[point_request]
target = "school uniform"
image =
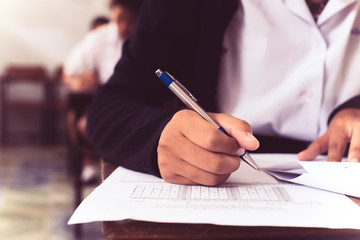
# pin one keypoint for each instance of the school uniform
(190, 40)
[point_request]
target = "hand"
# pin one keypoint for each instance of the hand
(193, 151)
(343, 128)
(83, 82)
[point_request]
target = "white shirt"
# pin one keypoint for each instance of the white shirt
(282, 72)
(99, 51)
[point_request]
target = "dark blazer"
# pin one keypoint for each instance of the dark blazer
(183, 37)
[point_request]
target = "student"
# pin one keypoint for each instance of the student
(290, 73)
(98, 22)
(92, 62)
(96, 55)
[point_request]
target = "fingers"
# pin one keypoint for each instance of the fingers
(212, 162)
(202, 177)
(335, 141)
(238, 129)
(317, 147)
(337, 145)
(178, 179)
(204, 134)
(193, 151)
(188, 174)
(354, 149)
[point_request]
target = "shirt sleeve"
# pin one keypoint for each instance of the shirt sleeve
(127, 115)
(353, 102)
(81, 58)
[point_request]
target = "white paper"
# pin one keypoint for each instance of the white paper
(339, 177)
(248, 198)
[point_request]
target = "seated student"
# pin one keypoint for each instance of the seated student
(92, 61)
(75, 76)
(289, 72)
(98, 22)
(100, 49)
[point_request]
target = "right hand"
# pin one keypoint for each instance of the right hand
(193, 151)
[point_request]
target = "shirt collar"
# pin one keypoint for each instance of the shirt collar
(332, 7)
(300, 9)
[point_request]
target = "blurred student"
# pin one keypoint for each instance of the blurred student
(92, 62)
(98, 22)
(94, 59)
(74, 78)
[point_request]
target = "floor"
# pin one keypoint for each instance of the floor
(36, 195)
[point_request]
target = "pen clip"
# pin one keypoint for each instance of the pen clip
(187, 92)
(184, 89)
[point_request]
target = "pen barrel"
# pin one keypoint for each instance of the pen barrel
(190, 103)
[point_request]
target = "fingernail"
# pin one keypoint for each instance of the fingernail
(354, 160)
(240, 152)
(251, 137)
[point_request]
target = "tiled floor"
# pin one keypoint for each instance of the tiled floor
(36, 195)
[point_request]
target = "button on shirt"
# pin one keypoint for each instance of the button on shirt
(284, 73)
(98, 52)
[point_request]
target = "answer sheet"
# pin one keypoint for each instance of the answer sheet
(248, 198)
(339, 177)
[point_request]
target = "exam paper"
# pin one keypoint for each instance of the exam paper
(339, 177)
(248, 198)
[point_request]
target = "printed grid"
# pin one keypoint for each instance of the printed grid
(231, 193)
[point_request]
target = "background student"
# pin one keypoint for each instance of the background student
(92, 62)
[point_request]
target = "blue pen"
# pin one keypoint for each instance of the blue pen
(190, 101)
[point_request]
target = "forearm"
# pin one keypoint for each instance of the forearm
(80, 82)
(127, 115)
(126, 133)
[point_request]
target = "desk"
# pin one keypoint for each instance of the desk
(130, 229)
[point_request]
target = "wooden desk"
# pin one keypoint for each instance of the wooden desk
(130, 229)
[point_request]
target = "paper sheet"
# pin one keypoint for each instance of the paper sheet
(248, 198)
(339, 177)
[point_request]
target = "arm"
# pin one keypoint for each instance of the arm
(126, 117)
(79, 67)
(128, 124)
(344, 128)
(78, 83)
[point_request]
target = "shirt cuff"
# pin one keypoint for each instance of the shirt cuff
(351, 103)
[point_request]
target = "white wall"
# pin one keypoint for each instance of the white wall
(43, 31)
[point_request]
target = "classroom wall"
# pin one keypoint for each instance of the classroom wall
(43, 31)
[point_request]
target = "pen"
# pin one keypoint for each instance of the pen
(190, 101)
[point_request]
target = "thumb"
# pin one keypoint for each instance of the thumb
(239, 129)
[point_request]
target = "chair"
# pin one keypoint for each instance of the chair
(78, 146)
(34, 75)
(59, 106)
